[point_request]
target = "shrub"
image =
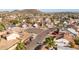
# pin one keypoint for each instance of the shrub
(15, 22)
(20, 46)
(2, 27)
(49, 41)
(71, 45)
(77, 40)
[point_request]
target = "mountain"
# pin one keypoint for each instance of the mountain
(28, 11)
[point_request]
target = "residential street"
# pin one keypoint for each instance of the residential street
(38, 39)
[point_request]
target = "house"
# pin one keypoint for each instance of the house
(24, 26)
(71, 30)
(12, 41)
(56, 21)
(72, 21)
(35, 25)
(62, 42)
(50, 25)
(65, 22)
(47, 20)
(3, 32)
(13, 36)
(0, 19)
(68, 36)
(16, 29)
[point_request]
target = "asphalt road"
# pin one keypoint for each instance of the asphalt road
(39, 39)
(34, 30)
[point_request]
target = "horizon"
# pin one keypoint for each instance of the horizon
(47, 10)
(60, 10)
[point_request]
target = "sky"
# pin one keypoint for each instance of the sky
(49, 10)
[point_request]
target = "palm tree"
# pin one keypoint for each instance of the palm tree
(21, 46)
(49, 41)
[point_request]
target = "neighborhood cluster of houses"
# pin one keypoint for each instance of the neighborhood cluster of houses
(16, 25)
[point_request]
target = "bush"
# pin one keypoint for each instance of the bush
(49, 41)
(71, 45)
(15, 22)
(77, 40)
(20, 46)
(2, 27)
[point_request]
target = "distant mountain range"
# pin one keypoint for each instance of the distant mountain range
(48, 11)
(33, 11)
(41, 10)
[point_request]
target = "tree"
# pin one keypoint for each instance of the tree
(2, 27)
(71, 45)
(77, 41)
(14, 22)
(49, 41)
(20, 46)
